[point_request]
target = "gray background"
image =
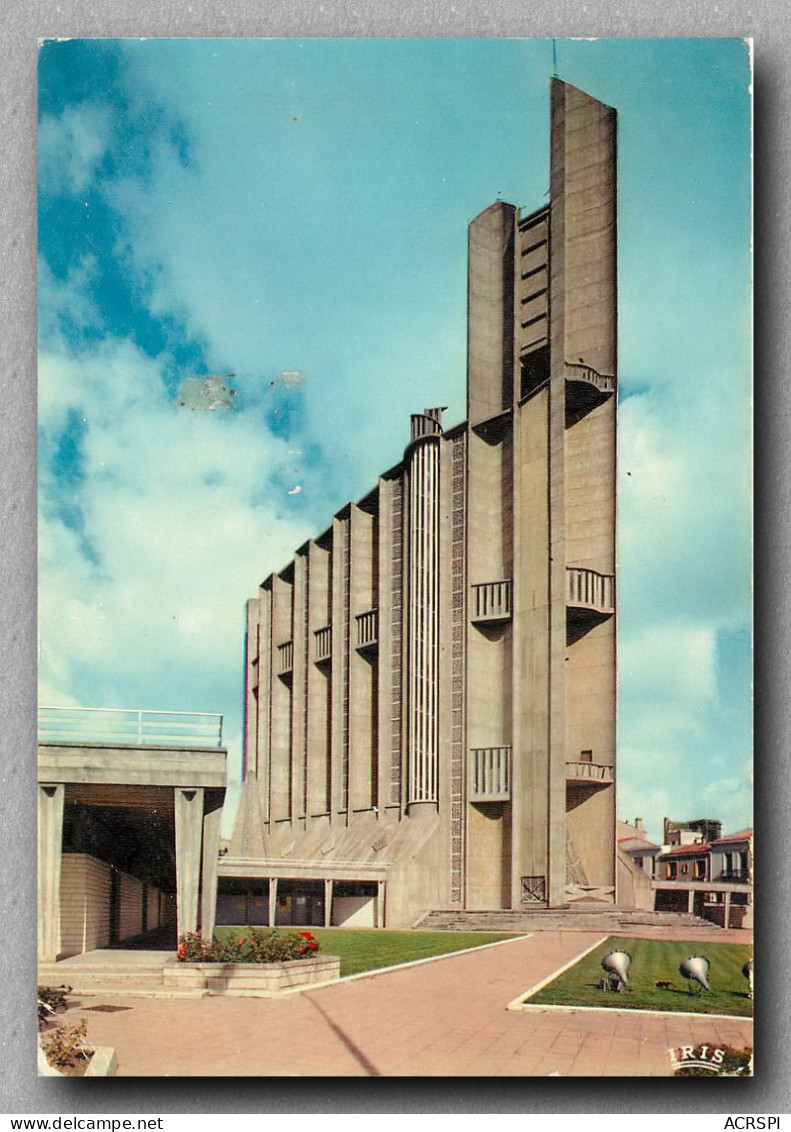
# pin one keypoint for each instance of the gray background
(23, 23)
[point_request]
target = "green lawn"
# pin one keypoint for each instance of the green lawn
(652, 960)
(362, 950)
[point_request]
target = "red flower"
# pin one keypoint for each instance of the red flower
(242, 942)
(311, 946)
(306, 935)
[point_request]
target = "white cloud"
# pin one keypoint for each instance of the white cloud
(186, 512)
(72, 145)
(174, 507)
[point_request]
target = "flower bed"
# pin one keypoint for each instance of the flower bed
(257, 946)
(258, 963)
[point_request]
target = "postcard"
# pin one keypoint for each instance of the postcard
(395, 557)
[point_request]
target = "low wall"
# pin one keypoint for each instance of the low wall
(251, 978)
(85, 890)
(130, 907)
(84, 904)
(152, 908)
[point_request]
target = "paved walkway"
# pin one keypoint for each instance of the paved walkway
(445, 1018)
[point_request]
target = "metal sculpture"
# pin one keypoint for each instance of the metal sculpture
(696, 970)
(616, 965)
(747, 971)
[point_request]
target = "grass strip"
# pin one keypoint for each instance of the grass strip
(657, 961)
(363, 950)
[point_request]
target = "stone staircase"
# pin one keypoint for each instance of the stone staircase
(581, 918)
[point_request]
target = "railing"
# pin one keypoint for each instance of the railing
(491, 601)
(490, 774)
(589, 773)
(322, 639)
(368, 629)
(285, 658)
(127, 727)
(604, 382)
(587, 589)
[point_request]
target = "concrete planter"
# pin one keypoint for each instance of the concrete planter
(104, 1063)
(251, 978)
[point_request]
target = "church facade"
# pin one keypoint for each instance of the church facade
(430, 682)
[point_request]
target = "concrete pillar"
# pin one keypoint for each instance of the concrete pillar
(211, 845)
(264, 735)
(282, 669)
(423, 616)
(327, 903)
(189, 828)
(272, 901)
(50, 851)
(691, 901)
(380, 904)
(362, 779)
(340, 661)
(253, 691)
(490, 311)
(384, 586)
(318, 683)
(727, 922)
(299, 688)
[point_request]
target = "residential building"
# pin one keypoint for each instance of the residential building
(710, 879)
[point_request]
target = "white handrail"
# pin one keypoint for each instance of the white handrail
(135, 725)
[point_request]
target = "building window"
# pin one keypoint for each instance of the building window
(700, 870)
(672, 870)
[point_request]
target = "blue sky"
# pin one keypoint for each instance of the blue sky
(299, 208)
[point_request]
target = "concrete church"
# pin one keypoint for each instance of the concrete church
(430, 682)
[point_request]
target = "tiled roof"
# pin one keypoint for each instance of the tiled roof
(686, 850)
(742, 835)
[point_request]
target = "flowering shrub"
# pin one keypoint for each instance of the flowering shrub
(257, 947)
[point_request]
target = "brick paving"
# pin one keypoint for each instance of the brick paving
(445, 1018)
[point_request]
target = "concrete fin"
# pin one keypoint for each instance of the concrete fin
(247, 839)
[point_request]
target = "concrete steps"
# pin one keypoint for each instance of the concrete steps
(611, 920)
(110, 972)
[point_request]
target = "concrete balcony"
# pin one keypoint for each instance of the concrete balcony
(586, 388)
(322, 645)
(491, 601)
(427, 423)
(588, 774)
(367, 630)
(285, 658)
(589, 592)
(490, 774)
